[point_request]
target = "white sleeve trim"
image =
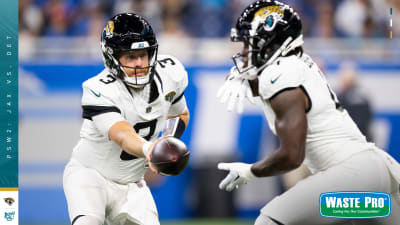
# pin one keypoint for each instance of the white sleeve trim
(177, 108)
(104, 121)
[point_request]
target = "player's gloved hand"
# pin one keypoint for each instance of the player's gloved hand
(239, 173)
(234, 91)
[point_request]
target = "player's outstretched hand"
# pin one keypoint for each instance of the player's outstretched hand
(239, 173)
(234, 91)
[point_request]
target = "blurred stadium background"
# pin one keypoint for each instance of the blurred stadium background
(59, 49)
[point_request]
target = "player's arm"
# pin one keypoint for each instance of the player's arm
(123, 134)
(291, 127)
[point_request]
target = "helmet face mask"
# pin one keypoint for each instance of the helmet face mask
(269, 29)
(124, 33)
(243, 61)
(133, 75)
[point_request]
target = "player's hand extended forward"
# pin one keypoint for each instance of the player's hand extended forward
(234, 91)
(239, 173)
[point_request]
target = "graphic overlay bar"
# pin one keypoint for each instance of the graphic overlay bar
(391, 24)
(9, 112)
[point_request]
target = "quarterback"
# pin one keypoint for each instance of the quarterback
(125, 107)
(303, 111)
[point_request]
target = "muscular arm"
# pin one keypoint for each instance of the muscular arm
(291, 127)
(123, 134)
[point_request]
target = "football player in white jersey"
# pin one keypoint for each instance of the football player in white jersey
(125, 107)
(304, 113)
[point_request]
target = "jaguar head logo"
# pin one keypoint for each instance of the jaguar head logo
(110, 27)
(170, 96)
(9, 201)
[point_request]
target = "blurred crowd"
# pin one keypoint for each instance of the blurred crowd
(202, 18)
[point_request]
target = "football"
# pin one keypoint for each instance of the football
(170, 156)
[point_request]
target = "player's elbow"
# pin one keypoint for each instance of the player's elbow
(296, 162)
(185, 116)
(294, 158)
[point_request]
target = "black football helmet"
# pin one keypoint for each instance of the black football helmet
(269, 29)
(127, 32)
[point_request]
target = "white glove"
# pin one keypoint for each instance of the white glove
(234, 90)
(239, 173)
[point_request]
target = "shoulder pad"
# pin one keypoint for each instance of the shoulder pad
(172, 72)
(284, 73)
(100, 90)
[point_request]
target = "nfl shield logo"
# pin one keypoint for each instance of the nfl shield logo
(148, 109)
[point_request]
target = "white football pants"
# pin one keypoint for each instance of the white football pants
(89, 193)
(364, 171)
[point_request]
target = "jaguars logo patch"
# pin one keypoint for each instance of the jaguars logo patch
(170, 96)
(110, 27)
(9, 201)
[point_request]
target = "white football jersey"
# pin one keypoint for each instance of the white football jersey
(145, 110)
(332, 136)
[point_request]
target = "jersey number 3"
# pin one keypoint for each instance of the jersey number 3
(166, 61)
(151, 125)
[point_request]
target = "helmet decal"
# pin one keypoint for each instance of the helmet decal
(138, 45)
(265, 11)
(109, 28)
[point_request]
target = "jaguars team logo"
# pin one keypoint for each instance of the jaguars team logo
(9, 201)
(170, 96)
(110, 27)
(9, 216)
(268, 10)
(269, 16)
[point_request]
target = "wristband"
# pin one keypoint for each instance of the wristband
(146, 148)
(174, 127)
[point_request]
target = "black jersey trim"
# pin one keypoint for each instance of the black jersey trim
(308, 97)
(88, 111)
(77, 217)
(291, 88)
(126, 156)
(178, 98)
(180, 128)
(280, 91)
(159, 80)
(276, 221)
(153, 92)
(127, 88)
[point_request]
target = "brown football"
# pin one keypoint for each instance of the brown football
(170, 156)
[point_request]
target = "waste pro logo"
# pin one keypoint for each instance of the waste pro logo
(354, 205)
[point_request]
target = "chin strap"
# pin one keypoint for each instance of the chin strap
(294, 44)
